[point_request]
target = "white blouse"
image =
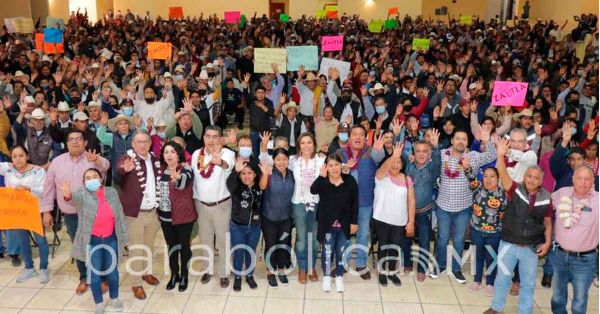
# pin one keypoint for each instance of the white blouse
(391, 201)
(305, 173)
(34, 178)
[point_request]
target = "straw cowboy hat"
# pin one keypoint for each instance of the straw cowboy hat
(112, 123)
(310, 77)
(289, 105)
(524, 113)
(378, 86)
(37, 114)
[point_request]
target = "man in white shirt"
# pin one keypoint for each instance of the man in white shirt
(519, 157)
(211, 166)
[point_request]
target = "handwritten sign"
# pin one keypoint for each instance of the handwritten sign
(342, 66)
(393, 11)
(391, 24)
(509, 93)
(466, 20)
(20, 210)
(232, 17)
(53, 36)
(308, 56)
(320, 14)
(159, 50)
(331, 14)
(22, 25)
(420, 44)
(264, 57)
(55, 22)
(175, 12)
(332, 43)
(376, 26)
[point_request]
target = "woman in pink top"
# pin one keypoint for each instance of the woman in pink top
(101, 235)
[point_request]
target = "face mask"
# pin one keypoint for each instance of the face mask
(573, 131)
(162, 135)
(211, 75)
(149, 100)
(343, 137)
(128, 111)
(202, 92)
(178, 77)
(380, 110)
(345, 99)
(245, 152)
(92, 185)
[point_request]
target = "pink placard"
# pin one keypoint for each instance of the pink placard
(509, 93)
(232, 17)
(332, 43)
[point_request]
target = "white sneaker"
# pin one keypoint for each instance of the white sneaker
(326, 284)
(44, 276)
(339, 284)
(114, 305)
(26, 274)
(100, 308)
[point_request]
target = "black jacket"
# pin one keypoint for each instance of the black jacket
(245, 201)
(336, 202)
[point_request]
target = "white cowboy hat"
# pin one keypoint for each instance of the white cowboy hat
(112, 123)
(37, 114)
(289, 105)
(378, 86)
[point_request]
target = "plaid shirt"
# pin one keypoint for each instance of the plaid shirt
(454, 193)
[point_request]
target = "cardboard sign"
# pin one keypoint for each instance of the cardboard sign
(284, 17)
(159, 50)
(391, 24)
(331, 14)
(22, 25)
(466, 20)
(331, 8)
(342, 66)
(39, 41)
(53, 36)
(376, 26)
(420, 44)
(175, 12)
(264, 57)
(55, 22)
(243, 21)
(232, 17)
(54, 48)
(332, 43)
(106, 54)
(20, 210)
(509, 93)
(320, 14)
(393, 11)
(308, 56)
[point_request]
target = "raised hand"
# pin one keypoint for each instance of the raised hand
(301, 72)
(397, 126)
(379, 142)
(149, 123)
(187, 105)
(264, 138)
(216, 156)
(538, 129)
(554, 112)
(473, 104)
(502, 148)
(566, 134)
(363, 91)
(351, 163)
(591, 131)
(128, 165)
(434, 137)
(440, 86)
(466, 163)
(397, 150)
(240, 163)
(92, 156)
(265, 168)
(175, 174)
(485, 133)
(379, 123)
(323, 170)
(137, 121)
(104, 118)
(53, 116)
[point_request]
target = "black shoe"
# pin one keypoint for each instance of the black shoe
(364, 273)
(395, 280)
(283, 279)
(15, 260)
(272, 280)
(382, 280)
(183, 283)
(458, 276)
(237, 284)
(251, 283)
(173, 281)
(205, 278)
(547, 281)
(2, 256)
(224, 282)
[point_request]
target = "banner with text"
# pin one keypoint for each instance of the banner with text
(332, 43)
(509, 93)
(308, 56)
(20, 210)
(342, 66)
(264, 57)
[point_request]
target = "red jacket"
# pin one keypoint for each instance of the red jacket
(131, 190)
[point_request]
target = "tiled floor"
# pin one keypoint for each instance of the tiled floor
(432, 296)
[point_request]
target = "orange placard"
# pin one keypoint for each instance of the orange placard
(175, 12)
(54, 48)
(159, 50)
(331, 14)
(39, 41)
(20, 210)
(393, 11)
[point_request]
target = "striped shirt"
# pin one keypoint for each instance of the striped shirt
(454, 193)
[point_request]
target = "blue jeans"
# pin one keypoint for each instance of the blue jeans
(24, 243)
(362, 235)
(103, 266)
(12, 243)
(305, 247)
(484, 243)
(255, 139)
(580, 272)
(71, 224)
(548, 267)
(247, 235)
(447, 222)
(508, 256)
(423, 233)
(335, 242)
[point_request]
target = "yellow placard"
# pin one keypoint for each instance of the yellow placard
(466, 20)
(264, 57)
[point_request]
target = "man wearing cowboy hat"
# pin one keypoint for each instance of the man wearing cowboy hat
(118, 140)
(80, 122)
(289, 126)
(525, 121)
(25, 110)
(63, 115)
(38, 141)
(306, 89)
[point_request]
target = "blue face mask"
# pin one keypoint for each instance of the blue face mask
(343, 137)
(92, 185)
(162, 135)
(245, 152)
(380, 110)
(128, 111)
(573, 131)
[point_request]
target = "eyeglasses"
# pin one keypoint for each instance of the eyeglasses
(142, 142)
(75, 139)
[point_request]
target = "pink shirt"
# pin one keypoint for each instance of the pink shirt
(548, 182)
(104, 225)
(583, 235)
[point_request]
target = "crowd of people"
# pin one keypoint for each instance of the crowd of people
(406, 148)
